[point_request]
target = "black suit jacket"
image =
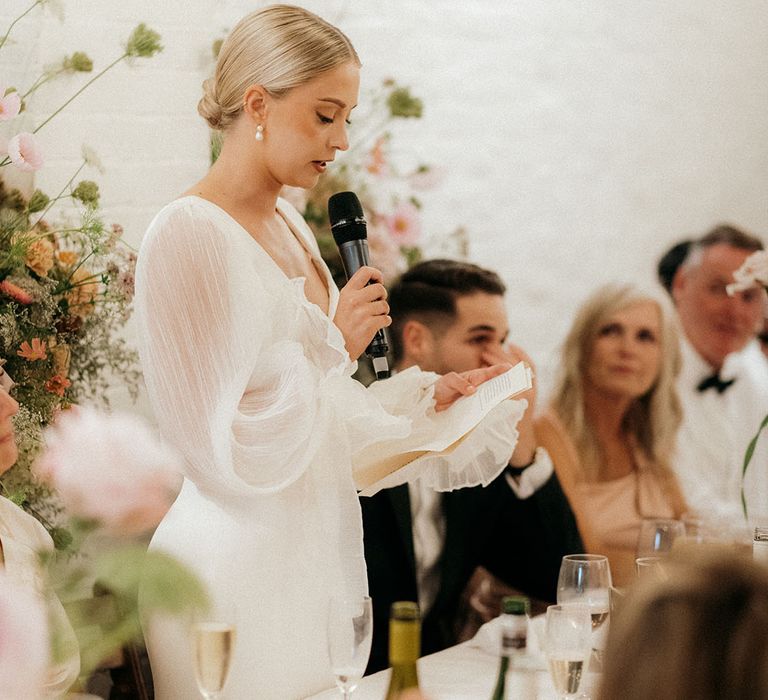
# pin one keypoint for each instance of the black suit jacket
(520, 541)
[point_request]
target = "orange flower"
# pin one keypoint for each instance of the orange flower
(57, 385)
(36, 351)
(40, 256)
(83, 292)
(15, 292)
(67, 257)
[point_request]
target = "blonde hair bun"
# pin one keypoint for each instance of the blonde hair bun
(279, 47)
(208, 108)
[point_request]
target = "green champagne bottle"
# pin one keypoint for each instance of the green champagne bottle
(514, 637)
(404, 647)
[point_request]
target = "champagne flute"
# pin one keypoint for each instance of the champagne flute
(657, 536)
(213, 641)
(568, 644)
(649, 567)
(586, 578)
(350, 630)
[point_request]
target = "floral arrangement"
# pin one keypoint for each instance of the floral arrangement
(66, 280)
(754, 270)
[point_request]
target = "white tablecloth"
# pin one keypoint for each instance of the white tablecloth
(468, 672)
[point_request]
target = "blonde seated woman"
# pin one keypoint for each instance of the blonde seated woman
(22, 538)
(611, 425)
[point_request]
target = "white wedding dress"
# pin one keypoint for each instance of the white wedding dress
(252, 384)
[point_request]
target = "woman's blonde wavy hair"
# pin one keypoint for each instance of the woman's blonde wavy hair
(278, 47)
(653, 419)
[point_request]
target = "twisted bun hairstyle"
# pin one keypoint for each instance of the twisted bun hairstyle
(278, 47)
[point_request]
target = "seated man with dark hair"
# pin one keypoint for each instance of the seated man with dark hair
(424, 546)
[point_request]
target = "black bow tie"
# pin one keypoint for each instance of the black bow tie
(714, 382)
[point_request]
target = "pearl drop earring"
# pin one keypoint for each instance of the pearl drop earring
(259, 133)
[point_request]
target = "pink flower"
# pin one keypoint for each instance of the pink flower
(109, 468)
(35, 351)
(385, 253)
(404, 224)
(376, 163)
(15, 292)
(10, 105)
(57, 385)
(753, 270)
(24, 152)
(426, 177)
(24, 643)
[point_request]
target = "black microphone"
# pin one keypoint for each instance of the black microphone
(349, 231)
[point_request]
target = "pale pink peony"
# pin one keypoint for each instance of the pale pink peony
(404, 224)
(24, 152)
(10, 105)
(109, 468)
(753, 270)
(24, 642)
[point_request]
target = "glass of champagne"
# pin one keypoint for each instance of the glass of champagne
(586, 579)
(213, 641)
(568, 644)
(657, 535)
(350, 630)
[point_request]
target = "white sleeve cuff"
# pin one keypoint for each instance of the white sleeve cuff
(534, 477)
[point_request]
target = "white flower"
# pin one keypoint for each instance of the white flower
(109, 468)
(91, 158)
(753, 270)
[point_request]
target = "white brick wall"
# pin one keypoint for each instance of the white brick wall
(579, 139)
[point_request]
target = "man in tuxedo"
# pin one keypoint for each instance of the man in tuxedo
(424, 546)
(723, 385)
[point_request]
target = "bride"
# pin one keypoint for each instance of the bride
(248, 350)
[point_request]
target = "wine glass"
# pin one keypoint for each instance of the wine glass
(350, 630)
(649, 567)
(567, 644)
(586, 578)
(213, 641)
(657, 536)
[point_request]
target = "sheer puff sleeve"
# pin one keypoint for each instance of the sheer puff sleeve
(246, 378)
(238, 401)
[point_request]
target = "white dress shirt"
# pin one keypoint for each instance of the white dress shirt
(715, 433)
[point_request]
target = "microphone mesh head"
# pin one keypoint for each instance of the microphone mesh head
(346, 216)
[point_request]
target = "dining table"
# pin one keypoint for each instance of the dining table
(468, 671)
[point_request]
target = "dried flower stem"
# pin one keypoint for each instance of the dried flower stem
(58, 196)
(21, 16)
(81, 90)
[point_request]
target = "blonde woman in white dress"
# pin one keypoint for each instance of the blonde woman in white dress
(248, 351)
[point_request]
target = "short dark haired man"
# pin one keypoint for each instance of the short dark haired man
(421, 545)
(723, 385)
